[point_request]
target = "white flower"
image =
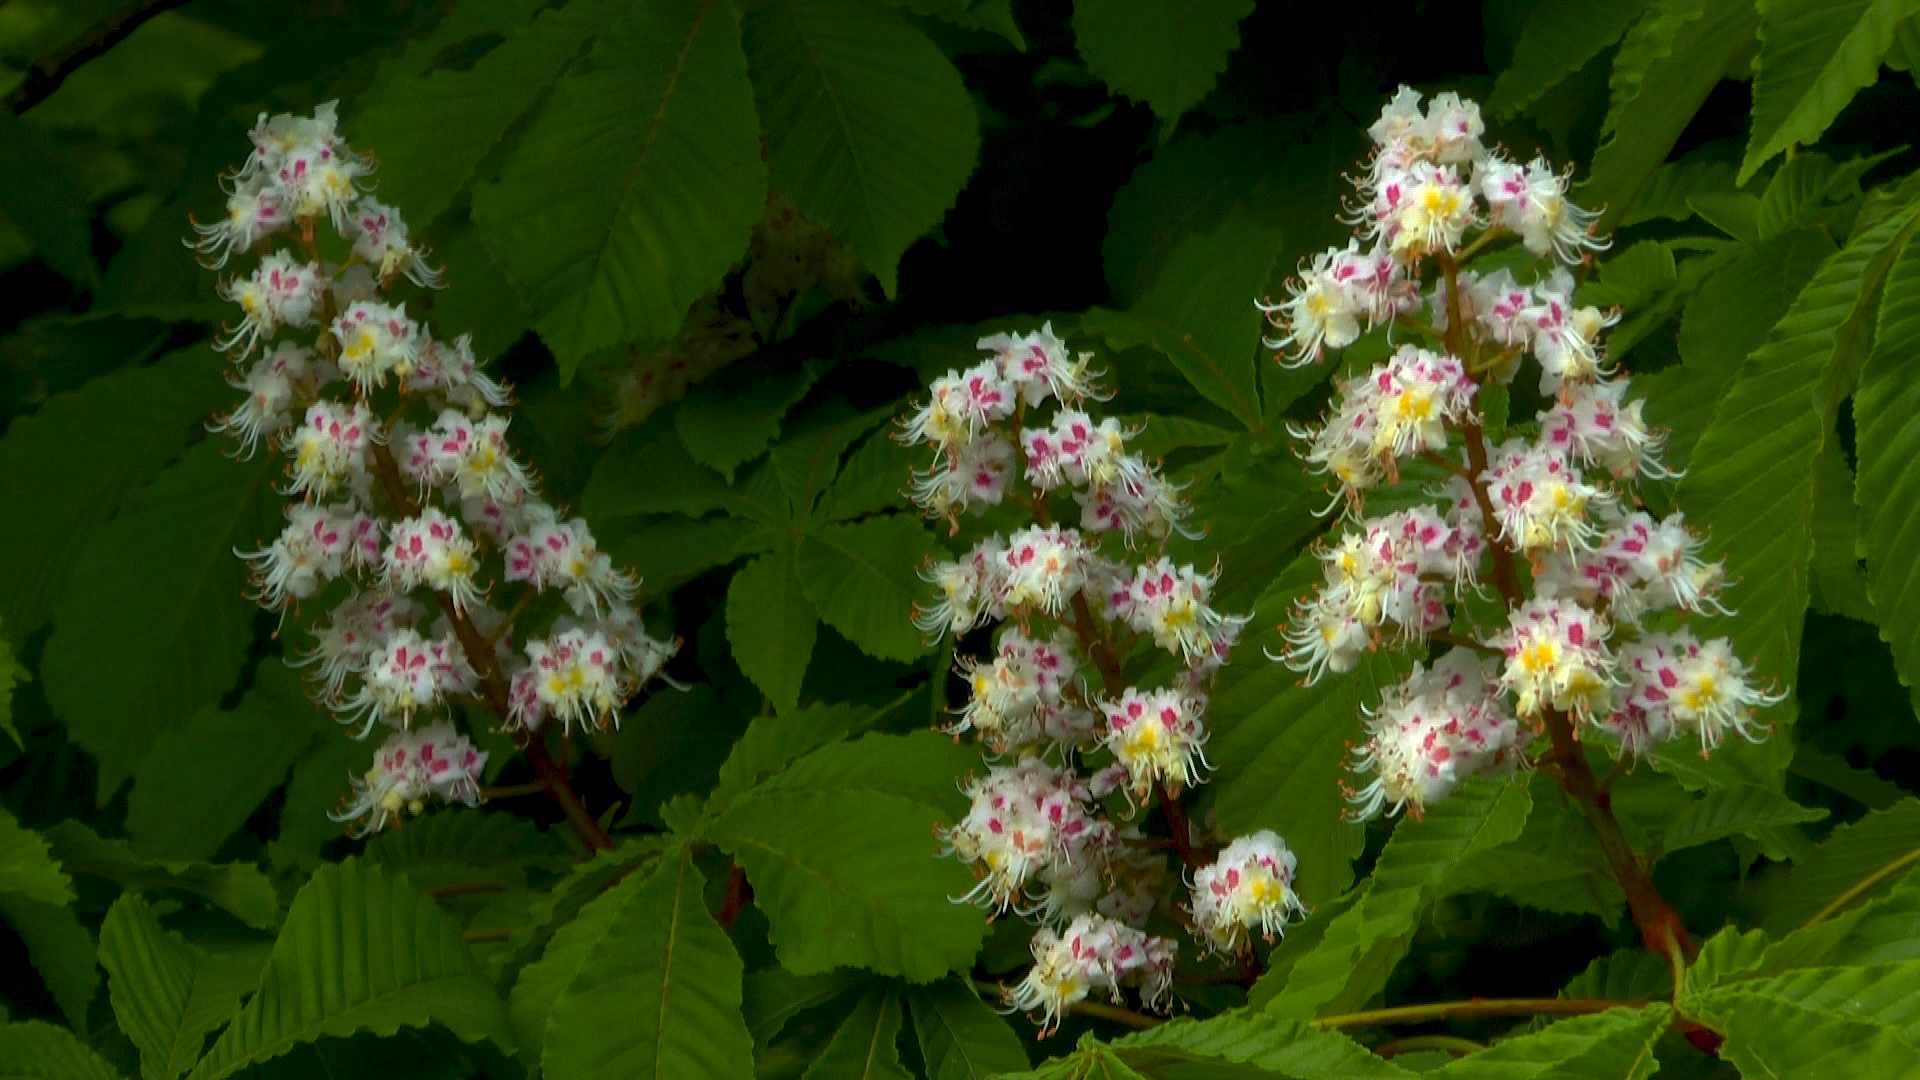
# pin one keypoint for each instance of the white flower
(577, 677)
(431, 550)
(309, 552)
(1532, 201)
(1038, 364)
(1248, 887)
(279, 293)
(1557, 658)
(970, 590)
(1439, 727)
(380, 238)
(1093, 953)
(1541, 500)
(376, 340)
(1158, 737)
(410, 767)
(564, 555)
(1596, 424)
(1675, 684)
(403, 674)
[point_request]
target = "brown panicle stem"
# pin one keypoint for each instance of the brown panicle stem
(1657, 920)
(493, 684)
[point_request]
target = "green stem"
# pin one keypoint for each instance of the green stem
(1862, 887)
(1472, 1008)
(1452, 1044)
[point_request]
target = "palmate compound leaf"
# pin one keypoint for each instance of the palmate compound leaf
(1815, 55)
(771, 625)
(841, 854)
(1888, 439)
(1612, 1045)
(39, 1051)
(1750, 479)
(635, 186)
(863, 579)
(167, 994)
(658, 995)
(1165, 53)
(361, 950)
(869, 127)
(177, 639)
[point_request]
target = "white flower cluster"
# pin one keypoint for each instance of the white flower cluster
(1076, 603)
(1248, 888)
(386, 513)
(1557, 502)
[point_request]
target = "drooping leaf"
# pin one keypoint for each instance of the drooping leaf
(1887, 436)
(361, 950)
(460, 845)
(240, 889)
(27, 866)
(961, 1037)
(771, 997)
(1814, 56)
(432, 122)
(43, 199)
(38, 1051)
(1559, 37)
(168, 995)
(1165, 54)
(192, 631)
(634, 187)
(174, 812)
(1853, 855)
(538, 988)
(1749, 483)
(771, 625)
(1614, 1045)
(1667, 64)
(863, 579)
(660, 997)
(152, 412)
(869, 128)
(862, 1048)
(1841, 1021)
(62, 951)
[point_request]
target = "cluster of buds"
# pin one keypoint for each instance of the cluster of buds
(406, 505)
(1556, 506)
(1068, 761)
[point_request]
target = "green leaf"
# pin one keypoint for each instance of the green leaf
(1667, 64)
(636, 184)
(1279, 747)
(1884, 930)
(771, 625)
(27, 866)
(240, 889)
(360, 951)
(1749, 483)
(863, 579)
(1272, 1045)
(191, 628)
(1887, 436)
(174, 812)
(1626, 975)
(167, 994)
(1856, 1021)
(1852, 855)
(1733, 810)
(876, 901)
(649, 471)
(875, 479)
(863, 1046)
(43, 200)
(61, 950)
(1613, 1045)
(869, 127)
(961, 1037)
(152, 411)
(1199, 313)
(806, 462)
(540, 984)
(457, 844)
(11, 675)
(37, 1051)
(1814, 56)
(725, 423)
(773, 742)
(1363, 944)
(1838, 582)
(771, 997)
(1555, 864)
(1559, 38)
(660, 997)
(432, 122)
(1165, 54)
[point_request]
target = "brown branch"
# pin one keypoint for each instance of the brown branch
(46, 74)
(467, 888)
(739, 895)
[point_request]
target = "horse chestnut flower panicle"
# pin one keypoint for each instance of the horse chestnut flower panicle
(1079, 601)
(406, 488)
(1556, 499)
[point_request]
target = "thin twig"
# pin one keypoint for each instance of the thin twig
(1862, 887)
(1451, 1044)
(1472, 1008)
(46, 74)
(467, 888)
